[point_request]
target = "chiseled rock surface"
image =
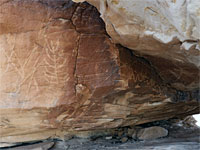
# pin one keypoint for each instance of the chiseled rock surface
(60, 74)
(167, 30)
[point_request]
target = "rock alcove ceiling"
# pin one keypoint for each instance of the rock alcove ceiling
(63, 71)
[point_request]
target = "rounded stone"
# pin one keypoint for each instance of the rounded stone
(152, 133)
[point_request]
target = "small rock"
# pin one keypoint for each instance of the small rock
(108, 137)
(152, 133)
(130, 132)
(124, 139)
(120, 133)
(134, 136)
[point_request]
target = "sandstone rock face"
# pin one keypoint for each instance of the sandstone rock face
(61, 73)
(167, 30)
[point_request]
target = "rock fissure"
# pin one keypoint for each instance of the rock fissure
(75, 66)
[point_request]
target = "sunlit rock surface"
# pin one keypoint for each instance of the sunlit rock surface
(167, 21)
(60, 73)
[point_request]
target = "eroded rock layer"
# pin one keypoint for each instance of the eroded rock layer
(60, 72)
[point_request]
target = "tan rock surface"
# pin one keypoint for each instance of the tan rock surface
(61, 73)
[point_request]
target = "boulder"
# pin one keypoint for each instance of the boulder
(152, 133)
(61, 74)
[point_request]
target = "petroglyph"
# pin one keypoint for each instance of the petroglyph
(60, 72)
(55, 64)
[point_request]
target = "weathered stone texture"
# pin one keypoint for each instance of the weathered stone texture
(60, 72)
